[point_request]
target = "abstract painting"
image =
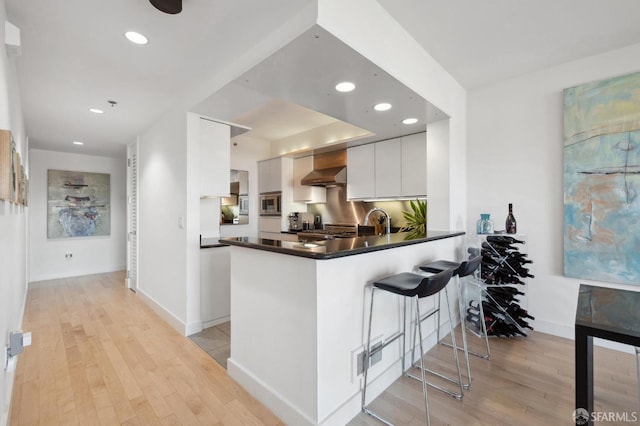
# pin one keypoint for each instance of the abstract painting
(602, 180)
(78, 204)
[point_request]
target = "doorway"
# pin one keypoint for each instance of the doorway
(132, 216)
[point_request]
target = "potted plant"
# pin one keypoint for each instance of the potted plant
(416, 219)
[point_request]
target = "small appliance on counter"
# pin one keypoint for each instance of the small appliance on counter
(301, 221)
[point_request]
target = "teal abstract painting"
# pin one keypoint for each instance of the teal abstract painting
(602, 180)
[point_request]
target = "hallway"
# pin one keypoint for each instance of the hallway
(101, 356)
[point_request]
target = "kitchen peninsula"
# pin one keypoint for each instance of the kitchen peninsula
(300, 312)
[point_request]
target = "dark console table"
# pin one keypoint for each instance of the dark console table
(609, 314)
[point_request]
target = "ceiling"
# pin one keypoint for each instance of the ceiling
(74, 57)
(484, 42)
(290, 98)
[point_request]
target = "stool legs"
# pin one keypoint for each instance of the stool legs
(365, 361)
(463, 327)
(455, 354)
(367, 355)
(638, 372)
(422, 369)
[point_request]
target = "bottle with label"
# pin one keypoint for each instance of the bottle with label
(510, 223)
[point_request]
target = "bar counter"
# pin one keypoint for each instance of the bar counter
(338, 247)
(298, 315)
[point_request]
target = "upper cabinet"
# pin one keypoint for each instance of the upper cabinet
(388, 168)
(414, 165)
(215, 157)
(305, 193)
(270, 175)
(361, 175)
(214, 140)
(394, 168)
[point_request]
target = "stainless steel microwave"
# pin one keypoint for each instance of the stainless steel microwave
(270, 204)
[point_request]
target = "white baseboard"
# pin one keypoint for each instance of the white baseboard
(555, 329)
(169, 317)
(76, 273)
(290, 414)
(4, 420)
(568, 332)
(217, 321)
(280, 406)
(193, 328)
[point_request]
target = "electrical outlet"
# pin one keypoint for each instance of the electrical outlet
(376, 357)
(359, 358)
(68, 255)
(360, 363)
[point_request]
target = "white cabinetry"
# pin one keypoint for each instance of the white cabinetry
(305, 193)
(388, 168)
(360, 172)
(270, 175)
(393, 168)
(215, 281)
(414, 165)
(276, 175)
(215, 156)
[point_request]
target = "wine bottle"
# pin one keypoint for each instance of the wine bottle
(503, 239)
(510, 223)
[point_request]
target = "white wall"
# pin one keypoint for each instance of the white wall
(13, 227)
(91, 255)
(162, 186)
(438, 182)
(515, 153)
(169, 184)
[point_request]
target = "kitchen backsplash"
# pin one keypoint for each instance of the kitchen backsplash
(338, 210)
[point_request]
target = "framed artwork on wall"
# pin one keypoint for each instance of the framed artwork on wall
(602, 180)
(78, 204)
(6, 160)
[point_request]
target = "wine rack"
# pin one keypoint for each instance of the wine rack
(495, 293)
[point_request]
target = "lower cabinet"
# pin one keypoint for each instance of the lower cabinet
(215, 286)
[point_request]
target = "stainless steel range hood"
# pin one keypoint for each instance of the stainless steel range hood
(329, 169)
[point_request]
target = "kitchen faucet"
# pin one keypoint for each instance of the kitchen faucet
(378, 209)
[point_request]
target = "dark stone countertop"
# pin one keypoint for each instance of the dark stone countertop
(211, 243)
(339, 247)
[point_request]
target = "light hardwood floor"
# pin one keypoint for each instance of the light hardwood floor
(529, 381)
(101, 356)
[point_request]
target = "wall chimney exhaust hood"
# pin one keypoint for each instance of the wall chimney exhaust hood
(329, 169)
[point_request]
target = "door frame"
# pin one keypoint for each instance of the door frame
(132, 281)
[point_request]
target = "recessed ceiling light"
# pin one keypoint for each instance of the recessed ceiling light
(96, 111)
(410, 121)
(345, 86)
(136, 38)
(78, 143)
(382, 106)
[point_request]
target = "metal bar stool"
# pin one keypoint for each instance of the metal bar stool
(412, 286)
(460, 270)
(638, 371)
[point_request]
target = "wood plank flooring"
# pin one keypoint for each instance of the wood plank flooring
(529, 381)
(101, 356)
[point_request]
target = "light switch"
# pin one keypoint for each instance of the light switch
(181, 222)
